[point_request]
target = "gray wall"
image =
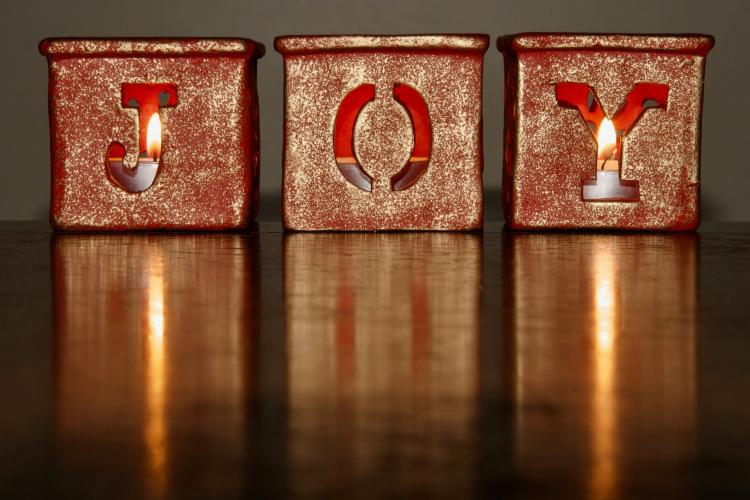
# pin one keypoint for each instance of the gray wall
(24, 177)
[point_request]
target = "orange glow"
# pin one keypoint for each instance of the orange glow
(153, 137)
(605, 330)
(155, 428)
(606, 138)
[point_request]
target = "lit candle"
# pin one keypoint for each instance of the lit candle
(141, 176)
(153, 137)
(608, 185)
(606, 138)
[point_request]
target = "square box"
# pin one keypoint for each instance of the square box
(150, 134)
(603, 131)
(383, 132)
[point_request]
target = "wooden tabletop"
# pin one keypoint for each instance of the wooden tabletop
(375, 365)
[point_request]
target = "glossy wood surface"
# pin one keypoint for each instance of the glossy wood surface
(375, 365)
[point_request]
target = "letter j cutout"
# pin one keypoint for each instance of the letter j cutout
(148, 99)
(609, 134)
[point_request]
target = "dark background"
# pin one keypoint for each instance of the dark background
(24, 177)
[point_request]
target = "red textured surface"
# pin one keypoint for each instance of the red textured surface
(208, 175)
(550, 151)
(383, 132)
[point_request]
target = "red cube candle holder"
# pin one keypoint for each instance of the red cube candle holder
(153, 133)
(383, 132)
(603, 131)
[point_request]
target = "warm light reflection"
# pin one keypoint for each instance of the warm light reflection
(153, 340)
(601, 334)
(603, 407)
(605, 307)
(153, 137)
(155, 374)
(382, 335)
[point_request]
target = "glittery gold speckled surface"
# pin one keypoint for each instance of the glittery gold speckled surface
(95, 47)
(344, 43)
(320, 71)
(549, 149)
(700, 44)
(208, 171)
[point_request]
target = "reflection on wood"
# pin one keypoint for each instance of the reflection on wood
(382, 336)
(606, 305)
(155, 376)
(151, 341)
(614, 390)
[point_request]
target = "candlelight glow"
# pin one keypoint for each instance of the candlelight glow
(153, 137)
(606, 138)
(604, 424)
(156, 372)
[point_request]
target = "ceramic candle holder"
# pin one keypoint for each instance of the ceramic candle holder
(603, 131)
(383, 132)
(151, 134)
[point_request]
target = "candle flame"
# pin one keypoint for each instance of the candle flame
(606, 138)
(153, 137)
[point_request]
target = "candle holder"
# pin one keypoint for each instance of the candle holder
(383, 132)
(151, 134)
(603, 131)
